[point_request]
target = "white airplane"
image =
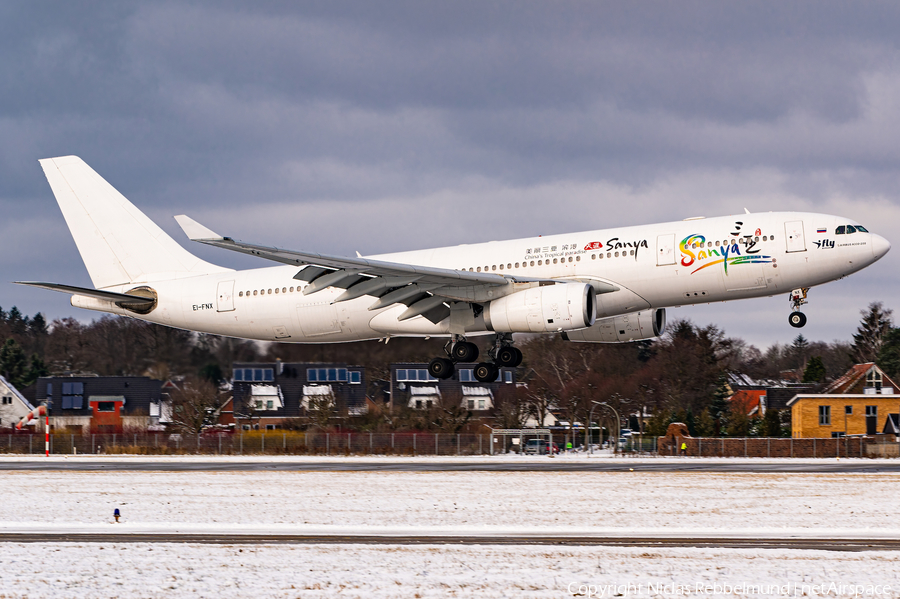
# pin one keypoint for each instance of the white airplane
(606, 286)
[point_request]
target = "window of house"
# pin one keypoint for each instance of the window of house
(480, 404)
(824, 415)
(872, 411)
(106, 406)
(326, 375)
(355, 377)
(465, 375)
(508, 376)
(254, 374)
(72, 396)
(270, 405)
(471, 404)
(414, 374)
(7, 400)
(418, 404)
(848, 410)
(873, 379)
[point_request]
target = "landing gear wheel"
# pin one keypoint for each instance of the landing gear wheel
(486, 373)
(441, 368)
(464, 351)
(797, 319)
(509, 357)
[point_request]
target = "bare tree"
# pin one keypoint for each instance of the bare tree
(193, 405)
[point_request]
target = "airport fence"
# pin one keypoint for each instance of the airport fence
(770, 447)
(251, 443)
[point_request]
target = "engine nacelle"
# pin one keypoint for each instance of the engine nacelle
(559, 307)
(621, 329)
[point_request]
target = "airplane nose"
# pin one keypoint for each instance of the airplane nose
(880, 246)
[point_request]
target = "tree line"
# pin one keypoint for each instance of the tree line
(682, 376)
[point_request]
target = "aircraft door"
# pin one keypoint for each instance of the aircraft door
(793, 233)
(225, 296)
(665, 250)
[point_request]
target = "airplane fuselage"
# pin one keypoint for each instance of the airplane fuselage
(647, 267)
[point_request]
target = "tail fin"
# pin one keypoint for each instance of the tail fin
(118, 243)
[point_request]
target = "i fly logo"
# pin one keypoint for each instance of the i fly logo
(694, 251)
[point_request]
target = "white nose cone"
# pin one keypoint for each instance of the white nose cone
(880, 246)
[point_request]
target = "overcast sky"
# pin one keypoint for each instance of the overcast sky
(385, 126)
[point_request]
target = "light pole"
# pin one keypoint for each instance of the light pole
(591, 417)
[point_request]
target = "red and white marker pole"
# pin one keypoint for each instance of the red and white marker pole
(47, 434)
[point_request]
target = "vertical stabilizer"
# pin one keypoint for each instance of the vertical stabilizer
(118, 243)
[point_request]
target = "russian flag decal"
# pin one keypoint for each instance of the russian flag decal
(821, 230)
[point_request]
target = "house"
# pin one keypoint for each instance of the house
(412, 386)
(854, 404)
(101, 404)
(265, 394)
(13, 406)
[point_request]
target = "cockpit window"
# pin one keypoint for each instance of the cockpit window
(861, 229)
(840, 230)
(851, 229)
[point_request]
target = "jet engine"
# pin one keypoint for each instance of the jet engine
(621, 329)
(558, 307)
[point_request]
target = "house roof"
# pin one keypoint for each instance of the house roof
(853, 376)
(892, 425)
(16, 393)
(748, 398)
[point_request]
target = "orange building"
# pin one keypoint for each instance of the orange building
(858, 403)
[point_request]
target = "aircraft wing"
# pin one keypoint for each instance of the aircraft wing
(423, 289)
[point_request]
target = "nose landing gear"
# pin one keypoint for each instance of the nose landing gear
(797, 319)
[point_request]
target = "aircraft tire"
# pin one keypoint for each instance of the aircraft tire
(441, 368)
(464, 351)
(509, 356)
(486, 372)
(797, 319)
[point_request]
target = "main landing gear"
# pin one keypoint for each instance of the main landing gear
(797, 319)
(459, 350)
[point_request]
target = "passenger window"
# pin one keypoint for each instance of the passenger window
(254, 292)
(501, 267)
(554, 261)
(508, 266)
(276, 290)
(241, 294)
(617, 253)
(540, 262)
(532, 263)
(840, 230)
(577, 258)
(478, 269)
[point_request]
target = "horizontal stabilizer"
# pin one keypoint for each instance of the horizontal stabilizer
(122, 299)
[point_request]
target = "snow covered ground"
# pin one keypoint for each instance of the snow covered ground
(689, 503)
(327, 571)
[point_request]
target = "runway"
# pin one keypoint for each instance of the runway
(477, 465)
(850, 544)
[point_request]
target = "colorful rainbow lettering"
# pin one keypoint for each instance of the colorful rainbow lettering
(726, 255)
